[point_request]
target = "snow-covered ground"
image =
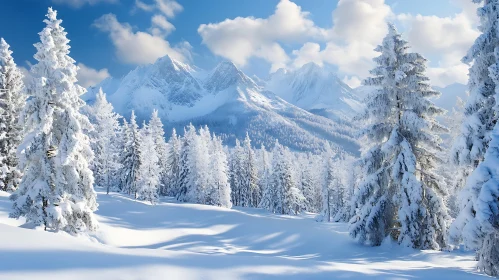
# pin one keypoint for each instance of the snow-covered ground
(186, 241)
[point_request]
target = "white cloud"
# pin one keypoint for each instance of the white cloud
(88, 76)
(81, 3)
(241, 38)
(139, 47)
(352, 81)
(161, 26)
(168, 7)
(447, 38)
(358, 26)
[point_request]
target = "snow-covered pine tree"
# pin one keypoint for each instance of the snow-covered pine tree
(186, 164)
(250, 174)
(330, 181)
(148, 172)
(400, 194)
(308, 182)
(470, 146)
(57, 186)
(125, 136)
(105, 137)
(240, 194)
(173, 167)
(131, 157)
(265, 179)
(478, 221)
(282, 196)
(156, 129)
(12, 101)
(219, 193)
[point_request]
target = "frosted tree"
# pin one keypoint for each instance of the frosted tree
(478, 221)
(480, 118)
(240, 191)
(308, 182)
(105, 137)
(156, 129)
(282, 196)
(219, 193)
(131, 157)
(400, 195)
(173, 166)
(329, 183)
(250, 173)
(12, 101)
(148, 172)
(56, 190)
(264, 178)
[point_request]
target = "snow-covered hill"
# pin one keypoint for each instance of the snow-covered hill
(450, 93)
(187, 241)
(315, 89)
(226, 100)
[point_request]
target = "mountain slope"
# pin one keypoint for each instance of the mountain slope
(315, 89)
(229, 102)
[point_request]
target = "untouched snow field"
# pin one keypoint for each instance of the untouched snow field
(187, 241)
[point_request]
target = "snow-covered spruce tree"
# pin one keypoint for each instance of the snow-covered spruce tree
(148, 172)
(478, 221)
(219, 193)
(282, 195)
(400, 194)
(240, 194)
(125, 136)
(265, 178)
(470, 146)
(330, 181)
(105, 138)
(12, 101)
(194, 174)
(173, 166)
(131, 157)
(250, 174)
(156, 129)
(57, 186)
(308, 183)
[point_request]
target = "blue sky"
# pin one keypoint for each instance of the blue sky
(258, 41)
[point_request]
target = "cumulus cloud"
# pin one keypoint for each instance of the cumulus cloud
(447, 38)
(358, 26)
(139, 47)
(169, 8)
(81, 3)
(88, 76)
(241, 38)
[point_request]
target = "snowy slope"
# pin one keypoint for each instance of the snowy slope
(226, 100)
(315, 89)
(186, 241)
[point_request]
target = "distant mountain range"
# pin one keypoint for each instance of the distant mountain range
(306, 109)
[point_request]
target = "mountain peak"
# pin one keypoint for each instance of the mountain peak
(226, 74)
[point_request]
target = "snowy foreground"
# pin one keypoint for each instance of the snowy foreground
(188, 241)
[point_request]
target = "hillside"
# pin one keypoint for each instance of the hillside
(187, 241)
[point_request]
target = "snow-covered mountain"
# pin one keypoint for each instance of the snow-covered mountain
(315, 89)
(226, 100)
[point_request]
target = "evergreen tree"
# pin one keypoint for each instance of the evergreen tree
(131, 158)
(12, 101)
(470, 146)
(219, 193)
(282, 196)
(478, 221)
(400, 194)
(186, 164)
(158, 134)
(105, 136)
(57, 186)
(327, 189)
(250, 180)
(173, 166)
(148, 172)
